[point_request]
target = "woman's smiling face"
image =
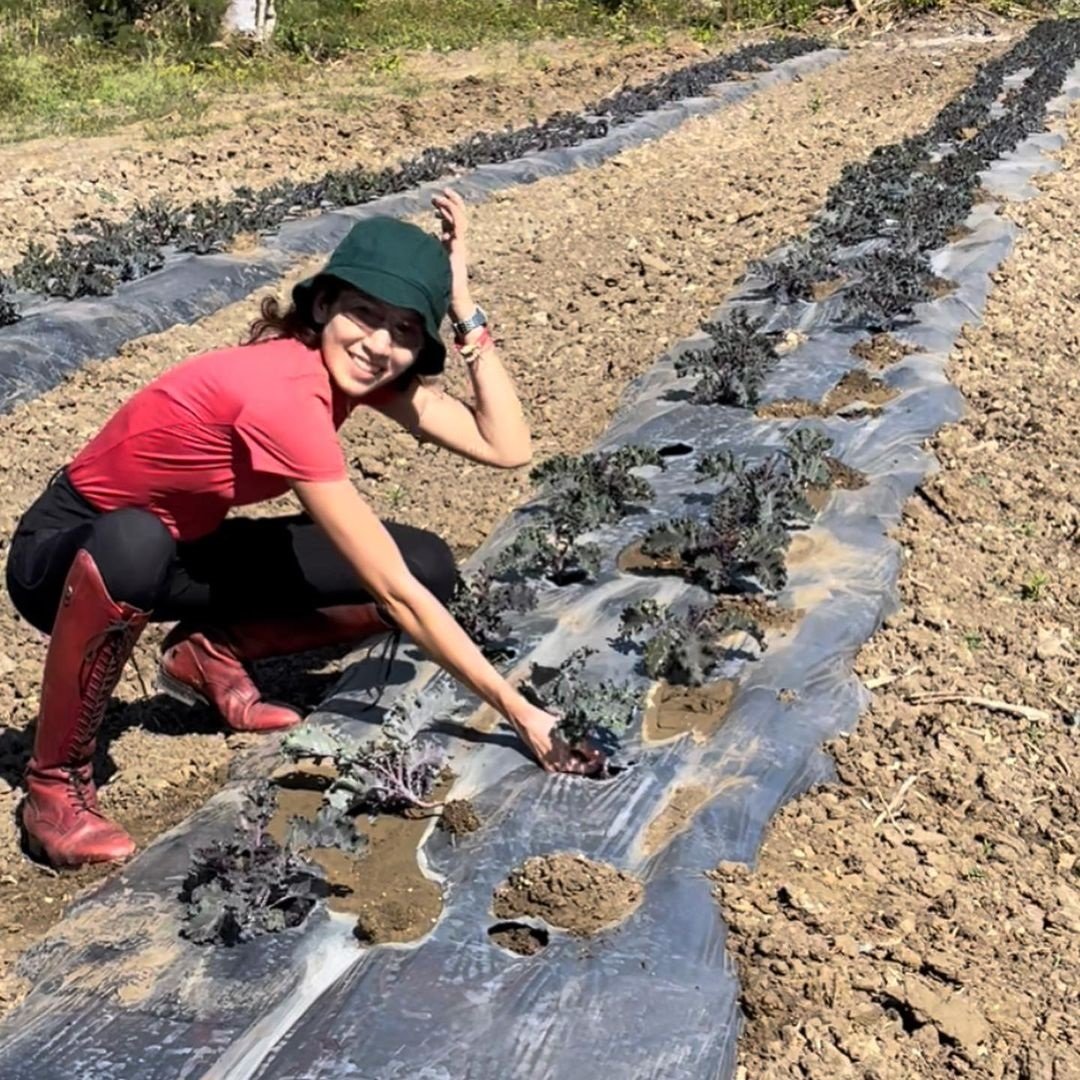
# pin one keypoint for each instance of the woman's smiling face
(366, 343)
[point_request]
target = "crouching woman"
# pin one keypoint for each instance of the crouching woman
(134, 529)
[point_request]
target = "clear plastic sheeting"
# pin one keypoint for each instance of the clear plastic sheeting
(119, 994)
(58, 336)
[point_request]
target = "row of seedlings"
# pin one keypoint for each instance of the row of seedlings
(908, 199)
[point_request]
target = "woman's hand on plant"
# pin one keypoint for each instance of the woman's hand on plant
(454, 216)
(537, 731)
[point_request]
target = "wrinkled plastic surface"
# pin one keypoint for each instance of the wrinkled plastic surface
(58, 336)
(118, 994)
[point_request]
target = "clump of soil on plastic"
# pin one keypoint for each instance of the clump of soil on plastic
(841, 477)
(568, 891)
(768, 615)
(856, 387)
(459, 818)
(882, 351)
(680, 710)
(381, 884)
(633, 560)
(519, 938)
(822, 290)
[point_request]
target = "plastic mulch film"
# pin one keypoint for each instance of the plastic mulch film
(56, 336)
(117, 994)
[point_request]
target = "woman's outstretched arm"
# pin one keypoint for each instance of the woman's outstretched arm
(353, 527)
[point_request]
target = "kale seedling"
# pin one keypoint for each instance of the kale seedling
(583, 493)
(480, 604)
(249, 885)
(732, 368)
(807, 454)
(550, 551)
(683, 649)
(746, 533)
(596, 713)
(592, 490)
(392, 773)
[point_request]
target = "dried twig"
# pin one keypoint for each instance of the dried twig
(895, 802)
(1024, 712)
(884, 680)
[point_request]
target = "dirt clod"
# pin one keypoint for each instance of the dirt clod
(856, 388)
(568, 891)
(459, 817)
(882, 351)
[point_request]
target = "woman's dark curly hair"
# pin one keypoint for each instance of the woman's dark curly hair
(299, 323)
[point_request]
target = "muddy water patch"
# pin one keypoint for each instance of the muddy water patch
(382, 884)
(681, 807)
(697, 711)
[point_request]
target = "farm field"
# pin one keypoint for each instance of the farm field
(919, 917)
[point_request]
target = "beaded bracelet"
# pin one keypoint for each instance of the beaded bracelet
(470, 353)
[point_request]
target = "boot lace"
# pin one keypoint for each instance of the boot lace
(103, 660)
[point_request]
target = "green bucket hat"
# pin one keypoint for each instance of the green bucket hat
(399, 264)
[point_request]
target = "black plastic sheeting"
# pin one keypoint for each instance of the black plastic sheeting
(56, 336)
(119, 995)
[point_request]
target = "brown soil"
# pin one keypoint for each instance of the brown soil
(841, 477)
(339, 116)
(632, 560)
(568, 891)
(382, 884)
(922, 918)
(559, 265)
(679, 710)
(519, 938)
(856, 387)
(767, 614)
(882, 351)
(844, 476)
(675, 815)
(459, 817)
(822, 290)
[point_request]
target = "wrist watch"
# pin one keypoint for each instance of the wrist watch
(477, 319)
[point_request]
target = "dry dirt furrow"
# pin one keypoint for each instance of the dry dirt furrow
(922, 918)
(340, 116)
(588, 277)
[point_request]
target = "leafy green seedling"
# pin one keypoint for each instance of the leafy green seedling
(683, 648)
(590, 713)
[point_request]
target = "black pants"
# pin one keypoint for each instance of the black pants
(247, 568)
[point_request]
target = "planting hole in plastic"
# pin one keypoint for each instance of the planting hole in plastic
(678, 449)
(519, 937)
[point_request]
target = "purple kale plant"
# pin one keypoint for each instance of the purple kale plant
(248, 885)
(392, 773)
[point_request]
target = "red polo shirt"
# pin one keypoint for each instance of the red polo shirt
(225, 429)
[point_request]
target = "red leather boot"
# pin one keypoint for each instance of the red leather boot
(209, 665)
(91, 642)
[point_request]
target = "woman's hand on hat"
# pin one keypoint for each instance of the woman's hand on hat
(537, 731)
(454, 216)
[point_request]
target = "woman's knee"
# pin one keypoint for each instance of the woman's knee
(132, 550)
(432, 562)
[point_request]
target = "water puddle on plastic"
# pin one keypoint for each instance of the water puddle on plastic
(382, 885)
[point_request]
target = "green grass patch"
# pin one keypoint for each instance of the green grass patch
(88, 66)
